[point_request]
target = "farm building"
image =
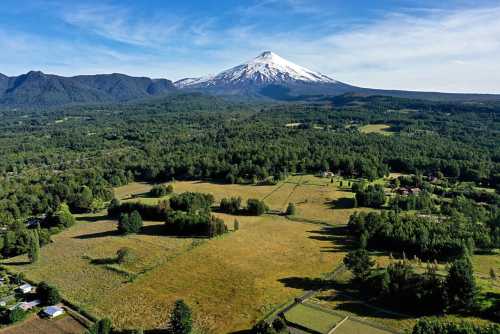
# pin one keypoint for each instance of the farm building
(25, 288)
(53, 311)
(29, 305)
(327, 174)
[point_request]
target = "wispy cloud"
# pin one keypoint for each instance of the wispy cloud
(417, 48)
(119, 24)
(453, 50)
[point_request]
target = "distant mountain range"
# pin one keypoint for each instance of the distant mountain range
(267, 76)
(37, 89)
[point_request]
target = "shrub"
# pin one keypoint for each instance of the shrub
(102, 326)
(256, 207)
(230, 205)
(291, 210)
(124, 255)
(16, 315)
(130, 223)
(161, 190)
(280, 326)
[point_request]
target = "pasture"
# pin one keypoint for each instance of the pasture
(312, 318)
(230, 281)
(382, 129)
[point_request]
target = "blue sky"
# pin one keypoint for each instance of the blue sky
(423, 45)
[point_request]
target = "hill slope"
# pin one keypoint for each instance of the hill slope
(36, 89)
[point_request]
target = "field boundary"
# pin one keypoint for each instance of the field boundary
(338, 325)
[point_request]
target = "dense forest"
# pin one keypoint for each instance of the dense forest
(76, 155)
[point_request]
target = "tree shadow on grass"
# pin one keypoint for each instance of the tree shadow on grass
(337, 235)
(103, 234)
(153, 230)
(160, 229)
(106, 260)
(244, 331)
(17, 263)
(306, 283)
(342, 203)
(92, 219)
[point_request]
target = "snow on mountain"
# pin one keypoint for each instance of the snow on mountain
(267, 68)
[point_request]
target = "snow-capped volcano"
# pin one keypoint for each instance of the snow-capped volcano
(267, 68)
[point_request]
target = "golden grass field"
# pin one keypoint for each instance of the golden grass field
(382, 129)
(230, 281)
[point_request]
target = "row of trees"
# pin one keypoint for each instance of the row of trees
(233, 205)
(400, 286)
(161, 190)
(194, 224)
(424, 236)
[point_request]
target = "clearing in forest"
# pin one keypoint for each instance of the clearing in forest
(382, 129)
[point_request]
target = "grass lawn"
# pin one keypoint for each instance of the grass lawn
(355, 327)
(230, 281)
(382, 129)
(312, 318)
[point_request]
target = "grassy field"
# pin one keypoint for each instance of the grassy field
(230, 281)
(312, 318)
(62, 325)
(382, 129)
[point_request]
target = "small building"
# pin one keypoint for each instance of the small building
(327, 174)
(25, 306)
(53, 311)
(25, 288)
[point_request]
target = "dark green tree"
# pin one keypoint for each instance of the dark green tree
(460, 285)
(291, 209)
(34, 250)
(359, 262)
(256, 207)
(181, 321)
(48, 294)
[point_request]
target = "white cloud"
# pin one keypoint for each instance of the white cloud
(439, 50)
(443, 51)
(119, 24)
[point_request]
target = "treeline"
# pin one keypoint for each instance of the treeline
(426, 237)
(399, 286)
(233, 205)
(438, 326)
(186, 214)
(20, 238)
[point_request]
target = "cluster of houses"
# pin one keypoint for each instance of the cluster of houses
(27, 290)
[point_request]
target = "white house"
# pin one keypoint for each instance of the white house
(25, 288)
(53, 311)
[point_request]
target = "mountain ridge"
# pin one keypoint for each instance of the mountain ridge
(37, 89)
